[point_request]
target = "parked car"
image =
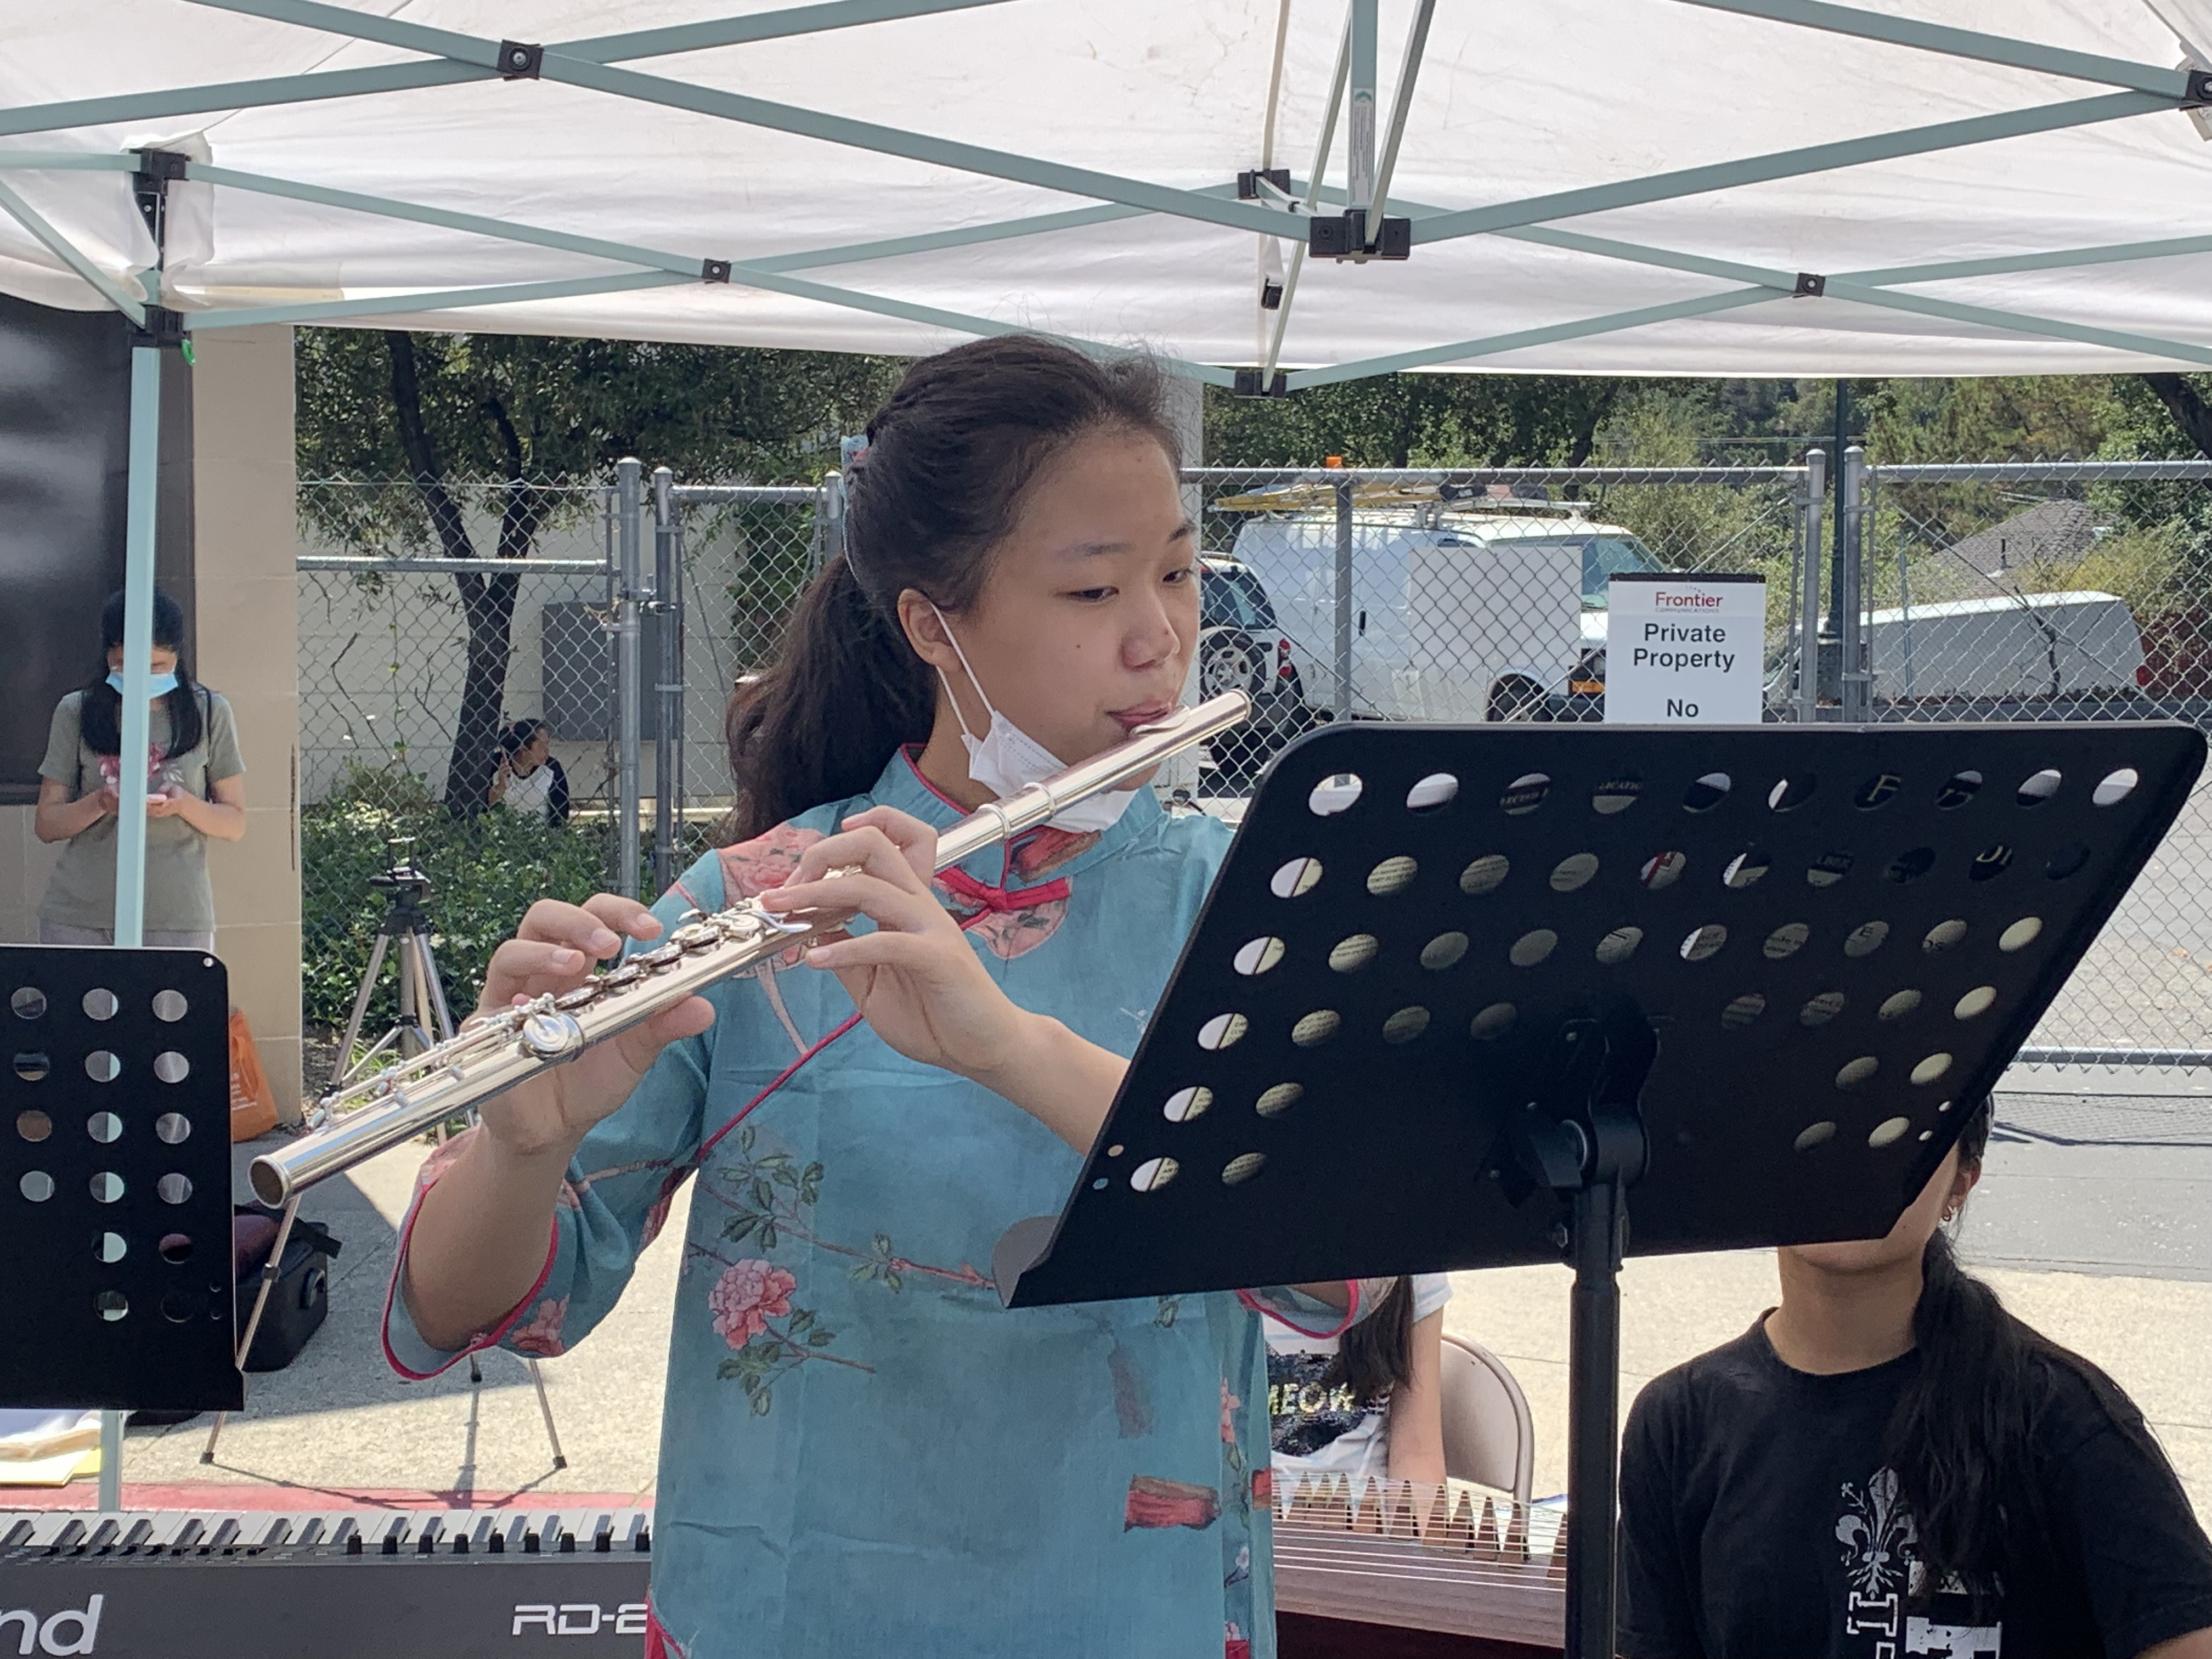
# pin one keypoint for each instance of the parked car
(1469, 614)
(1241, 648)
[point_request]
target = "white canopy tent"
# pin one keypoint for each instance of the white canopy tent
(1615, 186)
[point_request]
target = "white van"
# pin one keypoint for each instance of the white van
(1464, 616)
(2031, 644)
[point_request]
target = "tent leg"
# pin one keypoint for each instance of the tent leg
(130, 797)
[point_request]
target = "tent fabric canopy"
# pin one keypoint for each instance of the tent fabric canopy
(1592, 184)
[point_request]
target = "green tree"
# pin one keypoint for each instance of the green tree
(1416, 420)
(490, 421)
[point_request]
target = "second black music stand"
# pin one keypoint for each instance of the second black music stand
(1458, 990)
(115, 1179)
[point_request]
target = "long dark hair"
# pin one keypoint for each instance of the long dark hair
(100, 715)
(1377, 1355)
(1960, 1439)
(948, 459)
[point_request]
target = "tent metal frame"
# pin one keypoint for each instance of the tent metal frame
(449, 57)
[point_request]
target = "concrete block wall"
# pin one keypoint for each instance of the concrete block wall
(248, 638)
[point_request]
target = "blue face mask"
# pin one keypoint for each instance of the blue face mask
(157, 685)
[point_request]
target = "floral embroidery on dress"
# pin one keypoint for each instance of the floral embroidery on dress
(753, 867)
(656, 1217)
(1011, 934)
(770, 1196)
(1230, 1402)
(746, 1296)
(442, 1158)
(1153, 1502)
(542, 1336)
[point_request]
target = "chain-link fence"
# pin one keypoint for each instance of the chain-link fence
(2063, 591)
(1980, 592)
(420, 651)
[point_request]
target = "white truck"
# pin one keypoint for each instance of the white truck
(1466, 615)
(2020, 646)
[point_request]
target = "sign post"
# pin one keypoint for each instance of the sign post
(1683, 649)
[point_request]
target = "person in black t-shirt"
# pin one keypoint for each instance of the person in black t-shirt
(1889, 1464)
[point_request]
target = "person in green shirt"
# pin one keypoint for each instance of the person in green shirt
(194, 784)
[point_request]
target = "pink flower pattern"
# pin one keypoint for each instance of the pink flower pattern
(753, 867)
(1230, 1402)
(542, 1336)
(746, 1296)
(442, 1158)
(656, 1217)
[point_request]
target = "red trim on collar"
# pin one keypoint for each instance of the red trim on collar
(911, 753)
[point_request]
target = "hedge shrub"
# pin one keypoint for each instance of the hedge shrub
(484, 873)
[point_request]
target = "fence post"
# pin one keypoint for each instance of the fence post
(830, 508)
(1808, 592)
(668, 681)
(1854, 682)
(1341, 704)
(630, 591)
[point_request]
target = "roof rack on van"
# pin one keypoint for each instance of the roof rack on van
(1371, 494)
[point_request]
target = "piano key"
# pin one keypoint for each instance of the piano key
(222, 1537)
(637, 1535)
(18, 1532)
(603, 1533)
(426, 1534)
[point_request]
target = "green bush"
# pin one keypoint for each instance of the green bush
(484, 873)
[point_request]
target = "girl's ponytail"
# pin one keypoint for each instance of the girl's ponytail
(845, 693)
(949, 457)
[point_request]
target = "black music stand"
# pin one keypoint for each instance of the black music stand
(1458, 989)
(115, 1180)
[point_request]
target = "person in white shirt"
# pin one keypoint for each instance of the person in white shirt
(529, 779)
(1367, 1403)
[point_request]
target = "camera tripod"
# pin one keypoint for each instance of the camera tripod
(423, 1018)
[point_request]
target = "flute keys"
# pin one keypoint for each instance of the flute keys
(552, 1036)
(660, 956)
(580, 996)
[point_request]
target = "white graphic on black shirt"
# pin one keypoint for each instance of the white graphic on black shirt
(1880, 1572)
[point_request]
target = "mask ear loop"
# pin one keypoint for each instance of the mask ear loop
(966, 668)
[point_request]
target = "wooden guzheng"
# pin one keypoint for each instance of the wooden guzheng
(1391, 1558)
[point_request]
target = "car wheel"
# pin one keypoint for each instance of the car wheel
(1516, 699)
(1230, 659)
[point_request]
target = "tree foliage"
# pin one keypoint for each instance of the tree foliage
(480, 425)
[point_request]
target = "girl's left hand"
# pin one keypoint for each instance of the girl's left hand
(166, 802)
(915, 978)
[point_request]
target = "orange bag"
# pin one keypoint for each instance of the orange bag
(252, 1106)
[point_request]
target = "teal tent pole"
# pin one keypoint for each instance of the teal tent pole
(137, 644)
(131, 785)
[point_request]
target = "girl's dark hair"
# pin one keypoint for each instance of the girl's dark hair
(1377, 1355)
(520, 734)
(100, 714)
(1960, 1439)
(941, 483)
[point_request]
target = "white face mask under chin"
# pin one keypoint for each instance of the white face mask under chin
(1006, 757)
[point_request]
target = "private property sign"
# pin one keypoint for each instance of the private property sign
(1684, 649)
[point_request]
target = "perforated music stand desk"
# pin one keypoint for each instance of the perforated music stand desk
(115, 1217)
(1740, 986)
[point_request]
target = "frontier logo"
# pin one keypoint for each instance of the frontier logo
(1692, 600)
(548, 1619)
(71, 1631)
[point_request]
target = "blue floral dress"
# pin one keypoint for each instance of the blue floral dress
(863, 1453)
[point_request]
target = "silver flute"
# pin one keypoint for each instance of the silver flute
(497, 1049)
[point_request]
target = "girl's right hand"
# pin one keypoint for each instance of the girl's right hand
(554, 950)
(111, 803)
